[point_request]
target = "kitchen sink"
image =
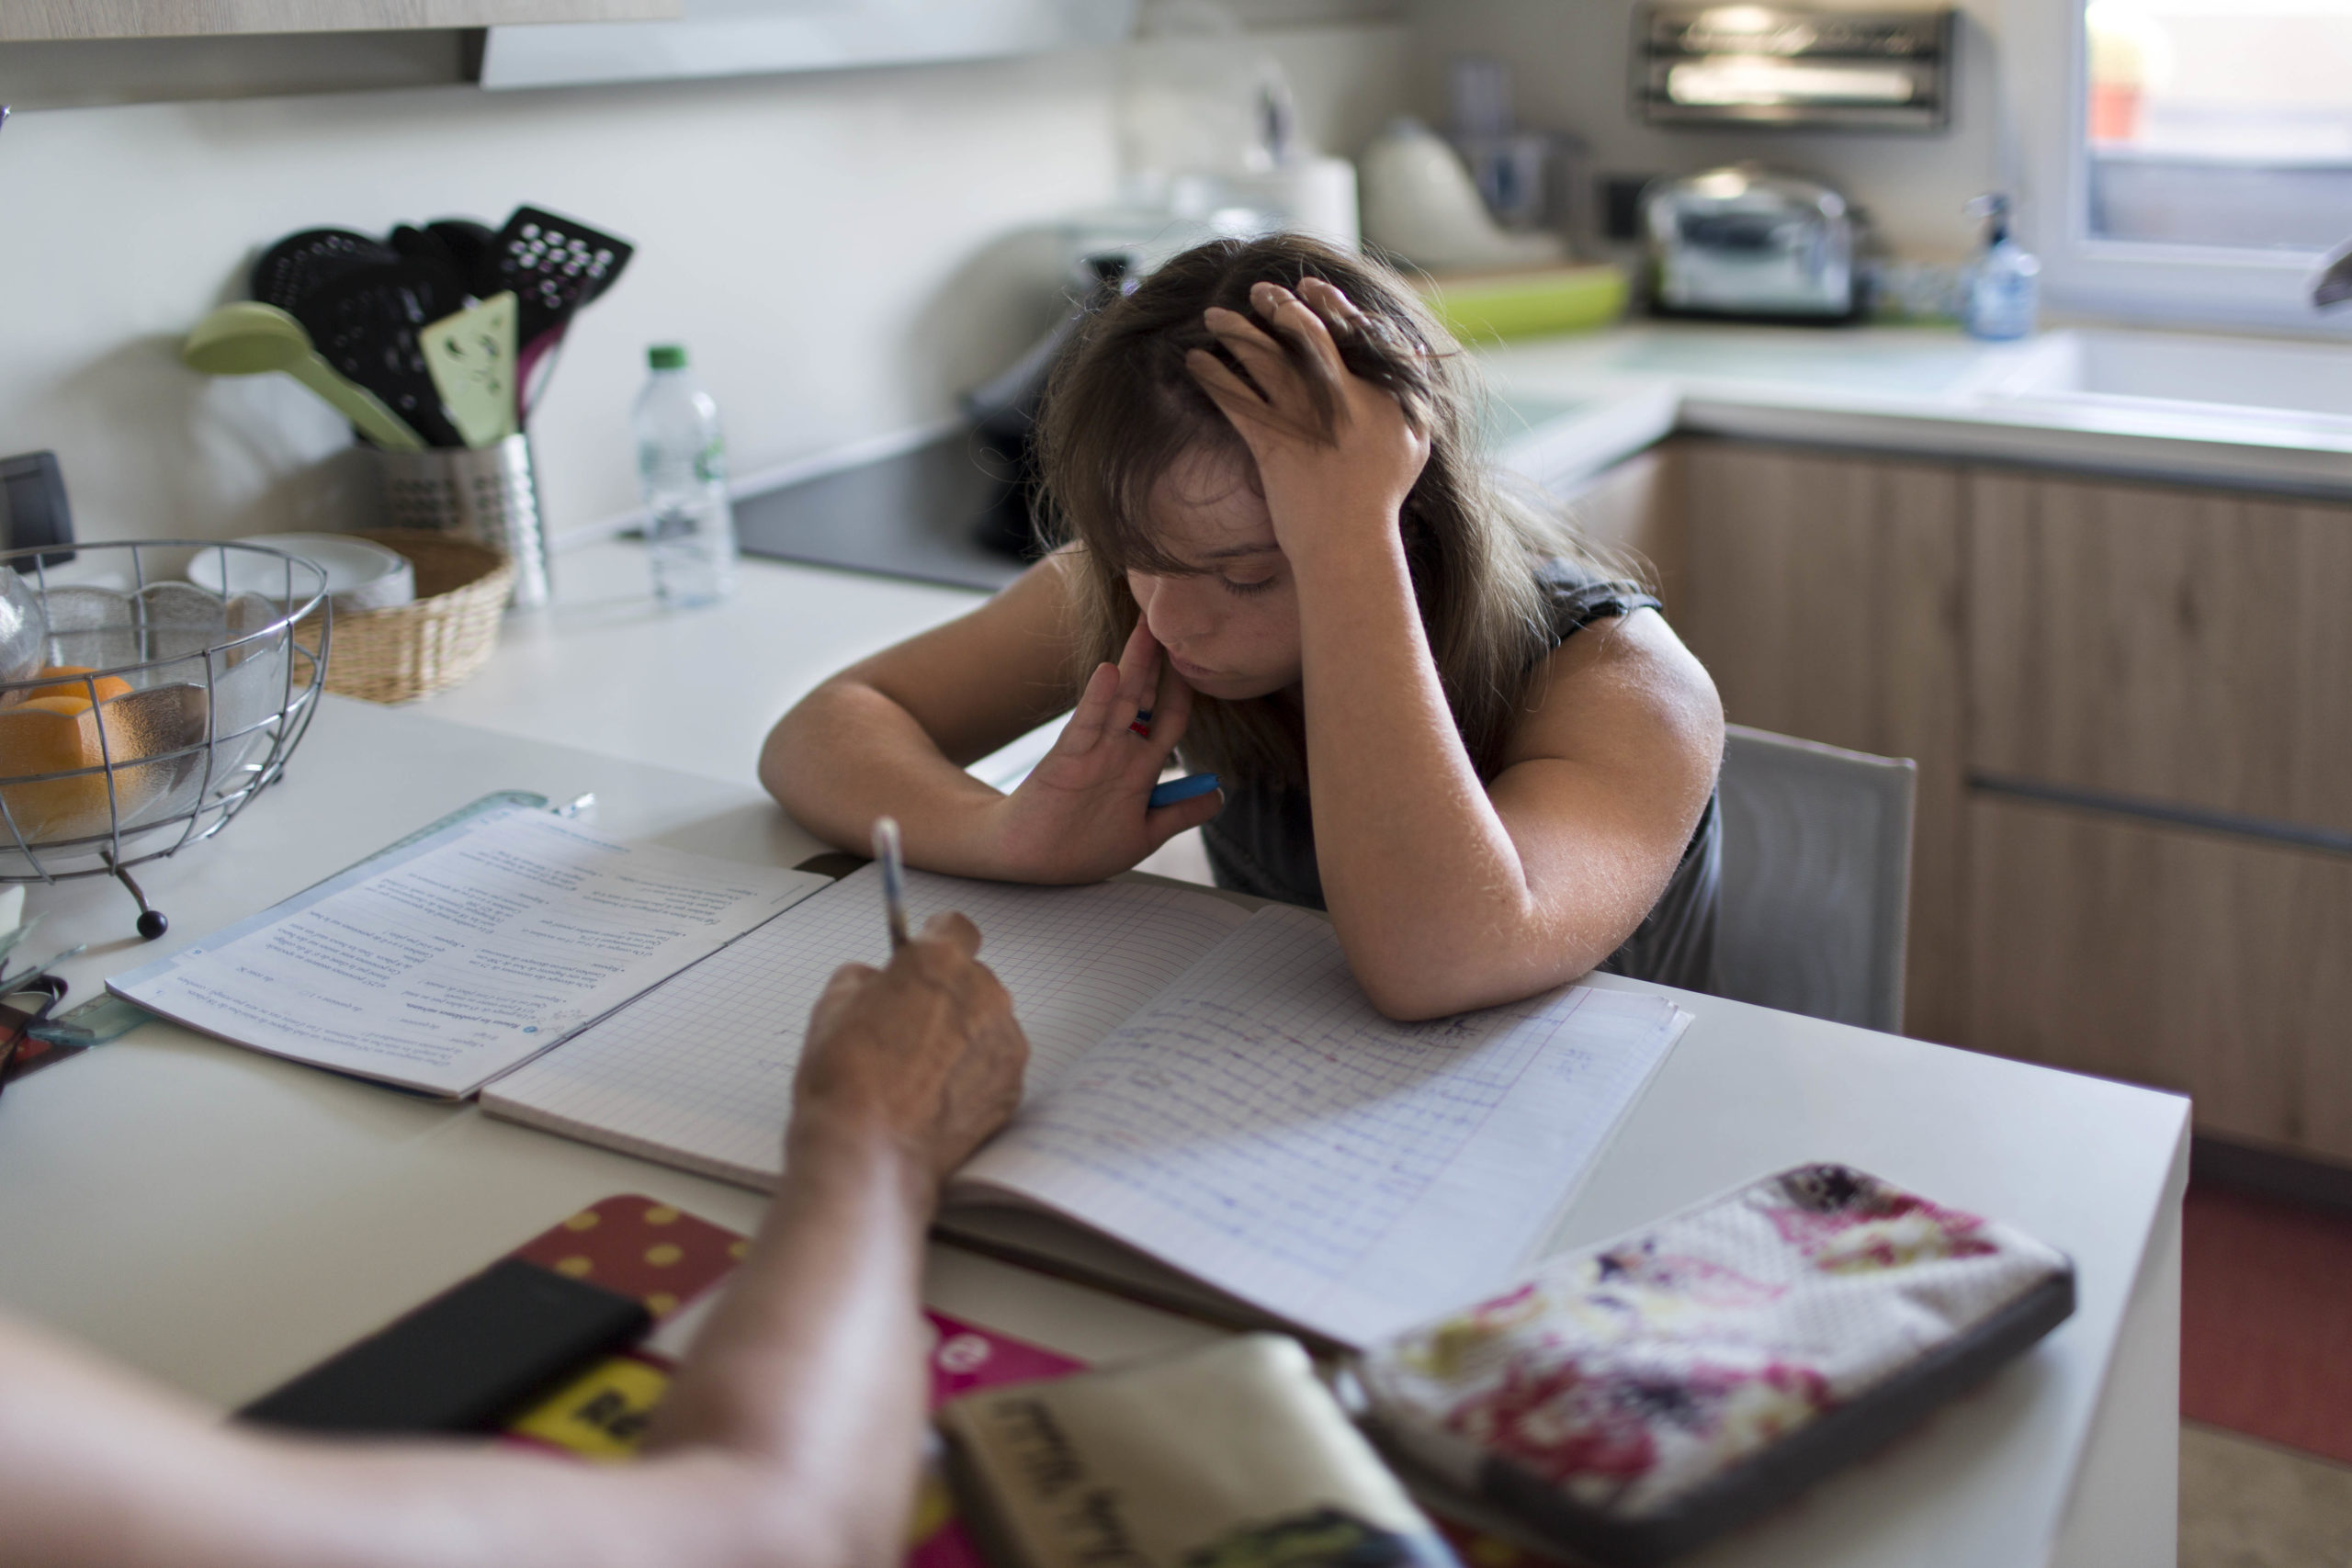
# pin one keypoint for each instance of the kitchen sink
(2158, 373)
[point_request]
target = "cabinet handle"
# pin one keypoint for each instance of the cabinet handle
(2205, 819)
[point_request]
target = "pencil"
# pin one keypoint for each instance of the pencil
(894, 878)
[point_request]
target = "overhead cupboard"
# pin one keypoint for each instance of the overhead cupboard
(30, 21)
(538, 43)
(2131, 704)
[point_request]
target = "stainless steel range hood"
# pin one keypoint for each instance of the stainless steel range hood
(1777, 65)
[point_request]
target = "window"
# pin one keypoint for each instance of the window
(2184, 160)
(2211, 123)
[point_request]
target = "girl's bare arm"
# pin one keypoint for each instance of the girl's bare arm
(891, 735)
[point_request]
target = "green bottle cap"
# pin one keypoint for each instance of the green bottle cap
(667, 356)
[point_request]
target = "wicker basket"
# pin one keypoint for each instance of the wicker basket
(440, 639)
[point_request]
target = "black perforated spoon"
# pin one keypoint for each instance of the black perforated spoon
(365, 321)
(300, 264)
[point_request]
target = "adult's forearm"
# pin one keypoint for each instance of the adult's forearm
(814, 1343)
(789, 1438)
(847, 754)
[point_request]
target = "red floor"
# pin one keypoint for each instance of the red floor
(2266, 1332)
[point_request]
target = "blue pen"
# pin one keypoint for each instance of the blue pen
(893, 879)
(1184, 788)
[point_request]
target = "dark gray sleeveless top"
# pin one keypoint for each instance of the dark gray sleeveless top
(1263, 841)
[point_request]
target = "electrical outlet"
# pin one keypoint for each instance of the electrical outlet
(33, 510)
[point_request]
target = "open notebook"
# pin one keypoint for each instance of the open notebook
(448, 958)
(1210, 1097)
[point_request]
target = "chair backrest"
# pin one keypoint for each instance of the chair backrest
(1816, 878)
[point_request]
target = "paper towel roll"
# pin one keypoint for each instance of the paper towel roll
(1314, 196)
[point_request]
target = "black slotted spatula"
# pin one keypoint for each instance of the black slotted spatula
(555, 265)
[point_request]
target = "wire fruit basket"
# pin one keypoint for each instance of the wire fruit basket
(190, 703)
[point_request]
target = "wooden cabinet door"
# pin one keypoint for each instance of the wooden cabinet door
(1823, 592)
(2163, 643)
(2205, 962)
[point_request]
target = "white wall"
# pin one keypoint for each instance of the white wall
(1570, 64)
(843, 253)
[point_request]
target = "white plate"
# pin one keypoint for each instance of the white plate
(360, 575)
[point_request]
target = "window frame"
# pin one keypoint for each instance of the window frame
(2128, 279)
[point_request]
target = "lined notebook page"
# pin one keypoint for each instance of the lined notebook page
(697, 1073)
(1262, 1127)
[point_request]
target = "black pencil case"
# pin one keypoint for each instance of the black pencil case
(1634, 1399)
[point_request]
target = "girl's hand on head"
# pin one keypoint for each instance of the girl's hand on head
(1336, 454)
(1082, 814)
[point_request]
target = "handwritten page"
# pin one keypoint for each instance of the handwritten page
(698, 1073)
(478, 948)
(1260, 1126)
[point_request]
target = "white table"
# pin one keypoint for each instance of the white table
(219, 1219)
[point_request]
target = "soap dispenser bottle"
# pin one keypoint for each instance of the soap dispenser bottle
(2003, 292)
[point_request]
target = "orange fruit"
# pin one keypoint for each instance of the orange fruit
(108, 686)
(57, 734)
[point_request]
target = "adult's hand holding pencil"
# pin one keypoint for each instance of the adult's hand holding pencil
(927, 1049)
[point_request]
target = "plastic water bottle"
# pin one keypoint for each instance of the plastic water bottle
(682, 469)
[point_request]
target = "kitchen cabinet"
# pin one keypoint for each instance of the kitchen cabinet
(2132, 708)
(1823, 592)
(733, 38)
(2188, 647)
(2204, 963)
(1630, 517)
(27, 21)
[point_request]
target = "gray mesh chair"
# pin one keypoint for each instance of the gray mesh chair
(1816, 878)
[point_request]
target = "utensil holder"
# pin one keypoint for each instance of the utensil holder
(488, 494)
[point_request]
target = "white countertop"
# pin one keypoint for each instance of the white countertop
(1588, 400)
(219, 1219)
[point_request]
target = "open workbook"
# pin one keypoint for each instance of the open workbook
(447, 959)
(1210, 1097)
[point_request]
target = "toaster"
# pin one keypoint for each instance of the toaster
(1746, 242)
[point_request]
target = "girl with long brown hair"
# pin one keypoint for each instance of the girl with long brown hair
(1286, 560)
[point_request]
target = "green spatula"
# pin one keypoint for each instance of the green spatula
(471, 356)
(252, 339)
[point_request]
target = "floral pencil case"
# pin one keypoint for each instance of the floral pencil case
(1633, 1400)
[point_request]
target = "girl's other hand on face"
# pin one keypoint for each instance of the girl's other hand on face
(1336, 454)
(1083, 814)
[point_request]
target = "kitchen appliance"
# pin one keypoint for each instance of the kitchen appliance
(1421, 205)
(1003, 409)
(1794, 66)
(1744, 241)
